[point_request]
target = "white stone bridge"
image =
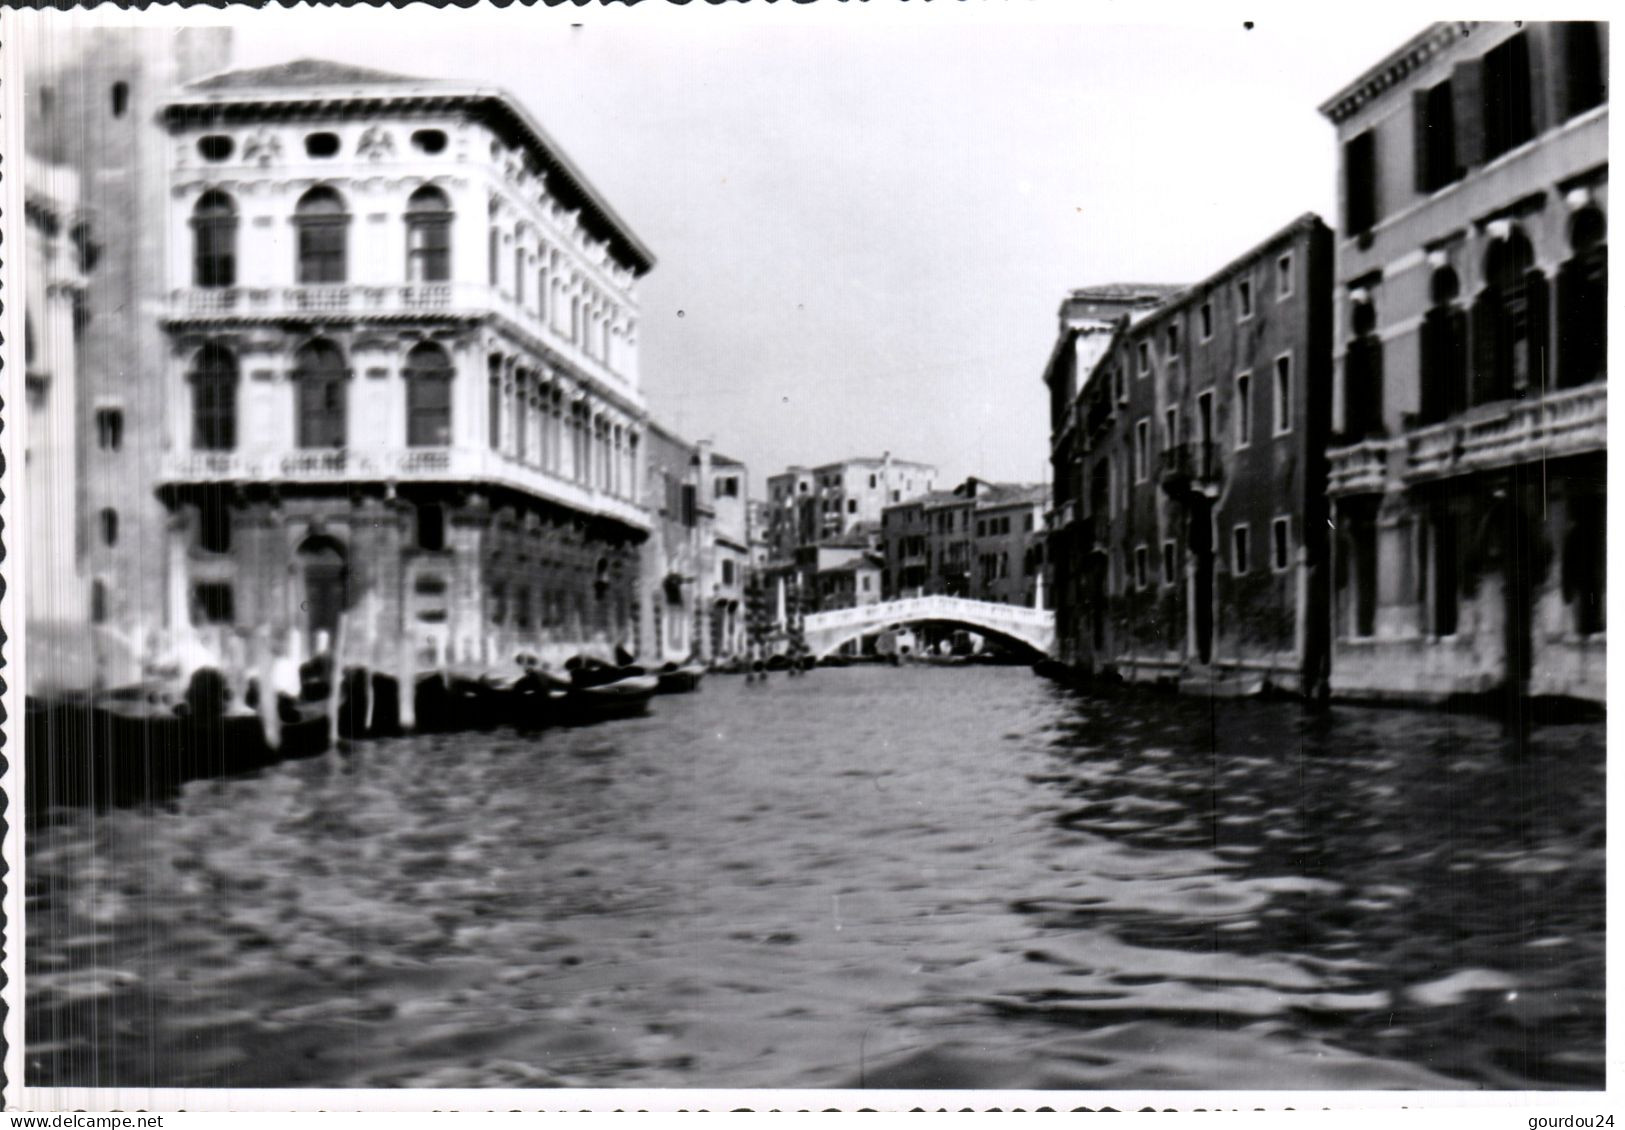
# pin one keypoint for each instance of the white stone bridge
(1031, 630)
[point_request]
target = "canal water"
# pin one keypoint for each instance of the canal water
(918, 877)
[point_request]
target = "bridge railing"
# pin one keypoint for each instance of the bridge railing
(935, 608)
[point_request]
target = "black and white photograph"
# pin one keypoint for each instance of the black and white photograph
(587, 555)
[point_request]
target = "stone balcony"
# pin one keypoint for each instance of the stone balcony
(1361, 468)
(1569, 422)
(402, 301)
(1192, 468)
(407, 464)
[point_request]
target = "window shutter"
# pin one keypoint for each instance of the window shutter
(1539, 299)
(1569, 328)
(1420, 147)
(1456, 391)
(1467, 86)
(1485, 324)
(1433, 375)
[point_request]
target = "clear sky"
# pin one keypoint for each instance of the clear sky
(865, 218)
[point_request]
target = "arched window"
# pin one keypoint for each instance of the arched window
(109, 525)
(323, 236)
(1444, 350)
(1362, 372)
(1510, 338)
(214, 240)
(320, 373)
(428, 396)
(214, 399)
(428, 236)
(1582, 302)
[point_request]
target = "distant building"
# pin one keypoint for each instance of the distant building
(757, 516)
(850, 584)
(94, 95)
(981, 540)
(402, 372)
(1190, 474)
(1010, 548)
(810, 505)
(729, 482)
(672, 598)
(1468, 469)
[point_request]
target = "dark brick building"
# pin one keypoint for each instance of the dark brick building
(1188, 540)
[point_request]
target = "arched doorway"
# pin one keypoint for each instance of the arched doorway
(324, 569)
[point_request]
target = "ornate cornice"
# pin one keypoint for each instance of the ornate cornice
(492, 108)
(1388, 73)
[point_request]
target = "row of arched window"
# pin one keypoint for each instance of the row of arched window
(319, 376)
(1502, 345)
(322, 245)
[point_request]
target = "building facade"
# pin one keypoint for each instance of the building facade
(1010, 547)
(980, 540)
(402, 373)
(807, 506)
(94, 93)
(729, 481)
(1469, 461)
(1190, 476)
(56, 598)
(1088, 318)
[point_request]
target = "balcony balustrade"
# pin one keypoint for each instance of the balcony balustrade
(1570, 422)
(420, 464)
(361, 299)
(1361, 468)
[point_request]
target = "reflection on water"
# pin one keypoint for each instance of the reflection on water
(891, 878)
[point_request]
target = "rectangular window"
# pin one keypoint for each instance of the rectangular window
(1167, 562)
(1145, 358)
(1283, 277)
(1207, 320)
(109, 429)
(428, 251)
(1170, 428)
(1121, 381)
(1433, 113)
(1142, 450)
(1142, 571)
(1238, 550)
(216, 603)
(1244, 410)
(851, 506)
(1173, 341)
(1283, 395)
(519, 274)
(321, 252)
(1204, 417)
(873, 482)
(494, 265)
(689, 510)
(727, 572)
(1360, 184)
(1244, 300)
(981, 529)
(1280, 543)
(1509, 115)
